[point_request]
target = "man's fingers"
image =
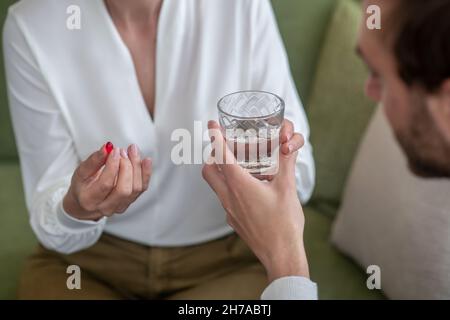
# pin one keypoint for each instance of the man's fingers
(293, 145)
(287, 130)
(263, 177)
(286, 170)
(216, 180)
(221, 153)
(223, 156)
(106, 181)
(91, 165)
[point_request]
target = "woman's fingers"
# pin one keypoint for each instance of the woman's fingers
(105, 183)
(120, 197)
(146, 169)
(114, 184)
(91, 165)
(144, 178)
(135, 158)
(133, 179)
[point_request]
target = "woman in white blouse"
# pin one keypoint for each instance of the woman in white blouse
(132, 73)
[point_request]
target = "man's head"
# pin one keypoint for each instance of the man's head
(409, 61)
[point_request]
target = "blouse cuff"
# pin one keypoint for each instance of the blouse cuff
(71, 223)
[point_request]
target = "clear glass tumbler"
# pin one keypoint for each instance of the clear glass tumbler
(251, 123)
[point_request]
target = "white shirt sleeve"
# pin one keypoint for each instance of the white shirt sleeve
(291, 288)
(271, 72)
(47, 154)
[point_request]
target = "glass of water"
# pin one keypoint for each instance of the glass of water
(251, 122)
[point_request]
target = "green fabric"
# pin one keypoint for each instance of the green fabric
(338, 109)
(16, 238)
(302, 24)
(7, 143)
(337, 276)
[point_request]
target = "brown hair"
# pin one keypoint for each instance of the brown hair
(422, 42)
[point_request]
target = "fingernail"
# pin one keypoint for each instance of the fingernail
(290, 147)
(116, 153)
(148, 162)
(134, 150)
(109, 147)
(124, 153)
(211, 123)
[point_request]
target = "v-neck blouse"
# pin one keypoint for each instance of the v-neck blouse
(70, 91)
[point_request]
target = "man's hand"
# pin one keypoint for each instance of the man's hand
(290, 142)
(103, 184)
(267, 215)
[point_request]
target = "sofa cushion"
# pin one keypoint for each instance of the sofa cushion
(338, 109)
(395, 220)
(8, 149)
(336, 276)
(16, 237)
(303, 25)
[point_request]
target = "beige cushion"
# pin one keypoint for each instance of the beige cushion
(395, 220)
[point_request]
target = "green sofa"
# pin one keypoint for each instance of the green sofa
(304, 25)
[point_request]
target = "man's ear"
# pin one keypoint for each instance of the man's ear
(439, 106)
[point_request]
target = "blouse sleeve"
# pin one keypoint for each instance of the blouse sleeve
(271, 72)
(47, 154)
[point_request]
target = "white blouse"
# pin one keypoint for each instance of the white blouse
(70, 91)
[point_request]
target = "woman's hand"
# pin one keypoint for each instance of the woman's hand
(103, 184)
(267, 215)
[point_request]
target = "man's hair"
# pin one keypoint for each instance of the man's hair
(422, 42)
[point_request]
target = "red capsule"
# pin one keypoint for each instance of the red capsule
(109, 147)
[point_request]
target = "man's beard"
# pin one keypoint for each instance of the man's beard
(427, 151)
(427, 169)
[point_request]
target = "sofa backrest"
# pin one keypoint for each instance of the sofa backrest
(7, 144)
(338, 108)
(303, 24)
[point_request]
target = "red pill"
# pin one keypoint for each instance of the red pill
(109, 147)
